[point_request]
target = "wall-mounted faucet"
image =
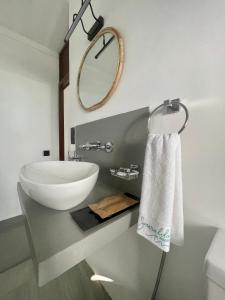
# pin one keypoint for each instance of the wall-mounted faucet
(97, 146)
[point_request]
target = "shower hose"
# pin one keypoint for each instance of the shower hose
(162, 261)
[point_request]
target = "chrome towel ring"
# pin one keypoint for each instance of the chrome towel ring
(171, 107)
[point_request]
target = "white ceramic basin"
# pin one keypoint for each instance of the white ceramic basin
(59, 184)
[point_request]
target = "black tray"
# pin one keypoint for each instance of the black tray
(87, 219)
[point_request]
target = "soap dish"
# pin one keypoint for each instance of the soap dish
(130, 173)
(86, 219)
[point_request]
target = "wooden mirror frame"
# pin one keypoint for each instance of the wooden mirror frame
(118, 72)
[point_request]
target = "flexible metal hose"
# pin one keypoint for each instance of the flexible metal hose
(159, 275)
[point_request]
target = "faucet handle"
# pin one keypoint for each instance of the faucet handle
(109, 147)
(81, 146)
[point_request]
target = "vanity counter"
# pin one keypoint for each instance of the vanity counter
(58, 242)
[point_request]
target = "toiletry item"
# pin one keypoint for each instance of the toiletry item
(72, 147)
(72, 151)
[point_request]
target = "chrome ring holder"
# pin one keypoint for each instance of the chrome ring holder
(171, 106)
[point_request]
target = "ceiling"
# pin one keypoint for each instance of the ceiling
(44, 21)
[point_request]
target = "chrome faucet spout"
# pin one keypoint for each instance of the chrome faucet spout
(97, 146)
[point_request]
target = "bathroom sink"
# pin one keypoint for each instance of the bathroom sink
(59, 185)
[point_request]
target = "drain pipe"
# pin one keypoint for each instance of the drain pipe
(163, 258)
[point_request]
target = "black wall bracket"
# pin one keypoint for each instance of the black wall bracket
(99, 22)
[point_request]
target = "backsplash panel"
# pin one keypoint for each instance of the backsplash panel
(128, 132)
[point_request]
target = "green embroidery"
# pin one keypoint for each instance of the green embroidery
(161, 235)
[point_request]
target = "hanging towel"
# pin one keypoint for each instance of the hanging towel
(161, 208)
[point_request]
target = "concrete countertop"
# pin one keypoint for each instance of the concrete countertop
(58, 242)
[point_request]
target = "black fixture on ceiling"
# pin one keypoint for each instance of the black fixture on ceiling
(99, 22)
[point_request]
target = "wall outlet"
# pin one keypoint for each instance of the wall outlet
(46, 152)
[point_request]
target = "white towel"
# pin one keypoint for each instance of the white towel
(161, 208)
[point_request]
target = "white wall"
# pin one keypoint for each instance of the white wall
(173, 49)
(28, 111)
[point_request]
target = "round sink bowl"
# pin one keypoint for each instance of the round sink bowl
(59, 185)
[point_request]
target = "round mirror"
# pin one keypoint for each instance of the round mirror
(100, 69)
